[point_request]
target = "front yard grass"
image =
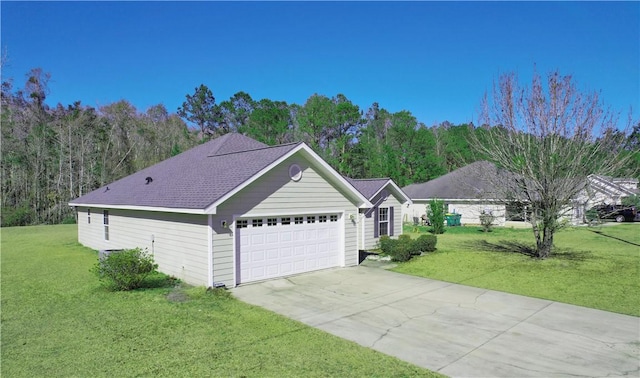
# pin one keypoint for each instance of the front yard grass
(592, 267)
(57, 320)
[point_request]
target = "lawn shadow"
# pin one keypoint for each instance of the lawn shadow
(613, 237)
(504, 246)
(510, 246)
(159, 281)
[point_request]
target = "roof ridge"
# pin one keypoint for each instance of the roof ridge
(254, 149)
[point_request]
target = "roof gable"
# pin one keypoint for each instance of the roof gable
(371, 187)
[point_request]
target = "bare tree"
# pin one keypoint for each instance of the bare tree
(548, 138)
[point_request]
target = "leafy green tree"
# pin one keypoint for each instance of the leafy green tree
(269, 122)
(236, 111)
(200, 108)
(435, 212)
(314, 119)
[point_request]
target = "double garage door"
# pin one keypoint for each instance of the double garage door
(270, 247)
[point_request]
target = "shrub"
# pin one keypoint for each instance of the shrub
(69, 220)
(403, 249)
(435, 212)
(125, 270)
(18, 216)
(386, 244)
(592, 216)
(486, 221)
(426, 243)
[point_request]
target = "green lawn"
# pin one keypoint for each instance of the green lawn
(58, 321)
(593, 267)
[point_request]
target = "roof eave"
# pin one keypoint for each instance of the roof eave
(142, 208)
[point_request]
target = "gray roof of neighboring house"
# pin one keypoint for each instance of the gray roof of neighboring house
(193, 179)
(474, 181)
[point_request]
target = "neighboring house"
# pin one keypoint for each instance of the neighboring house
(385, 215)
(234, 210)
(601, 190)
(467, 191)
(470, 190)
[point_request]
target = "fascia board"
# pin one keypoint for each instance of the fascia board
(396, 188)
(141, 208)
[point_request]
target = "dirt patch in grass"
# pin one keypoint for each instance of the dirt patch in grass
(177, 295)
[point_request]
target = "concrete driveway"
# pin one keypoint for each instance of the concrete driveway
(456, 330)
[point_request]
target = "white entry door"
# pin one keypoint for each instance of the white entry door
(270, 247)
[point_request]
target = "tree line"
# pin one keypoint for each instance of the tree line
(51, 155)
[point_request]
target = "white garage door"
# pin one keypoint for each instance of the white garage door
(279, 246)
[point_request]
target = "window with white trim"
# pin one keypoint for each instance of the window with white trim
(298, 220)
(88, 216)
(285, 221)
(105, 222)
(272, 221)
(383, 221)
(322, 219)
(311, 219)
(333, 218)
(256, 222)
(241, 223)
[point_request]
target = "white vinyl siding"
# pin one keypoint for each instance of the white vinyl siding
(370, 241)
(470, 210)
(275, 194)
(178, 242)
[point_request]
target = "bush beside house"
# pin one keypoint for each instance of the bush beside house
(125, 270)
(403, 248)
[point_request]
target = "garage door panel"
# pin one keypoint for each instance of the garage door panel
(298, 235)
(268, 249)
(286, 236)
(286, 252)
(273, 254)
(273, 238)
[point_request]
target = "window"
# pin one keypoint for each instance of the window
(298, 220)
(333, 218)
(322, 219)
(241, 223)
(311, 219)
(285, 221)
(272, 221)
(256, 222)
(105, 221)
(383, 218)
(88, 216)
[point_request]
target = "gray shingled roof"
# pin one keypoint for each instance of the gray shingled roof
(368, 187)
(474, 181)
(193, 179)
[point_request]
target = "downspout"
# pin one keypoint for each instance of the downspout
(210, 250)
(362, 230)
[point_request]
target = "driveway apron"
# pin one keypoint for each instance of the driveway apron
(456, 330)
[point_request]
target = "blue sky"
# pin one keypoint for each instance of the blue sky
(435, 59)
